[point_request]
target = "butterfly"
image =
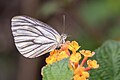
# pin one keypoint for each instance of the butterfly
(34, 38)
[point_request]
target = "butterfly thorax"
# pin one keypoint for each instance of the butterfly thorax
(62, 39)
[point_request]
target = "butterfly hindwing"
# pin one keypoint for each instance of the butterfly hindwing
(32, 37)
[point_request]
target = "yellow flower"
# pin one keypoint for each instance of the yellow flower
(54, 52)
(92, 64)
(81, 74)
(57, 55)
(78, 70)
(87, 53)
(50, 60)
(85, 74)
(62, 55)
(73, 46)
(75, 57)
(78, 77)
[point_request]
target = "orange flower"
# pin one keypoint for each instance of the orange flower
(78, 70)
(73, 46)
(75, 57)
(92, 64)
(50, 60)
(57, 55)
(78, 77)
(53, 52)
(87, 53)
(52, 57)
(80, 74)
(62, 55)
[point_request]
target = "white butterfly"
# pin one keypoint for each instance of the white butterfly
(34, 38)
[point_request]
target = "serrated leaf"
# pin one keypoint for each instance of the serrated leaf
(108, 56)
(57, 71)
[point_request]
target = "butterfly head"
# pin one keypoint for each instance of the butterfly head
(63, 37)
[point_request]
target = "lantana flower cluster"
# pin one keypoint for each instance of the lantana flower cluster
(77, 59)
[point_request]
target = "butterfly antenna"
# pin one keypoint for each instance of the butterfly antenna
(64, 17)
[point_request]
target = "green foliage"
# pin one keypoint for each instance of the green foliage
(114, 32)
(108, 56)
(96, 12)
(49, 8)
(52, 7)
(87, 42)
(57, 71)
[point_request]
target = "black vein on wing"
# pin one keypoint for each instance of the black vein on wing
(31, 41)
(34, 31)
(22, 35)
(31, 50)
(31, 26)
(37, 44)
(50, 32)
(26, 34)
(36, 48)
(42, 51)
(37, 23)
(23, 41)
(27, 46)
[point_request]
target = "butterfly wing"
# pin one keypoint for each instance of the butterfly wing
(32, 37)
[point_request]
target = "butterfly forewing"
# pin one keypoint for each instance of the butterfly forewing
(32, 37)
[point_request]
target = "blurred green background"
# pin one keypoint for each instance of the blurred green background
(90, 22)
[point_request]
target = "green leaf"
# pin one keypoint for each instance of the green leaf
(108, 56)
(57, 71)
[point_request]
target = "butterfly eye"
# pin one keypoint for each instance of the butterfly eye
(64, 36)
